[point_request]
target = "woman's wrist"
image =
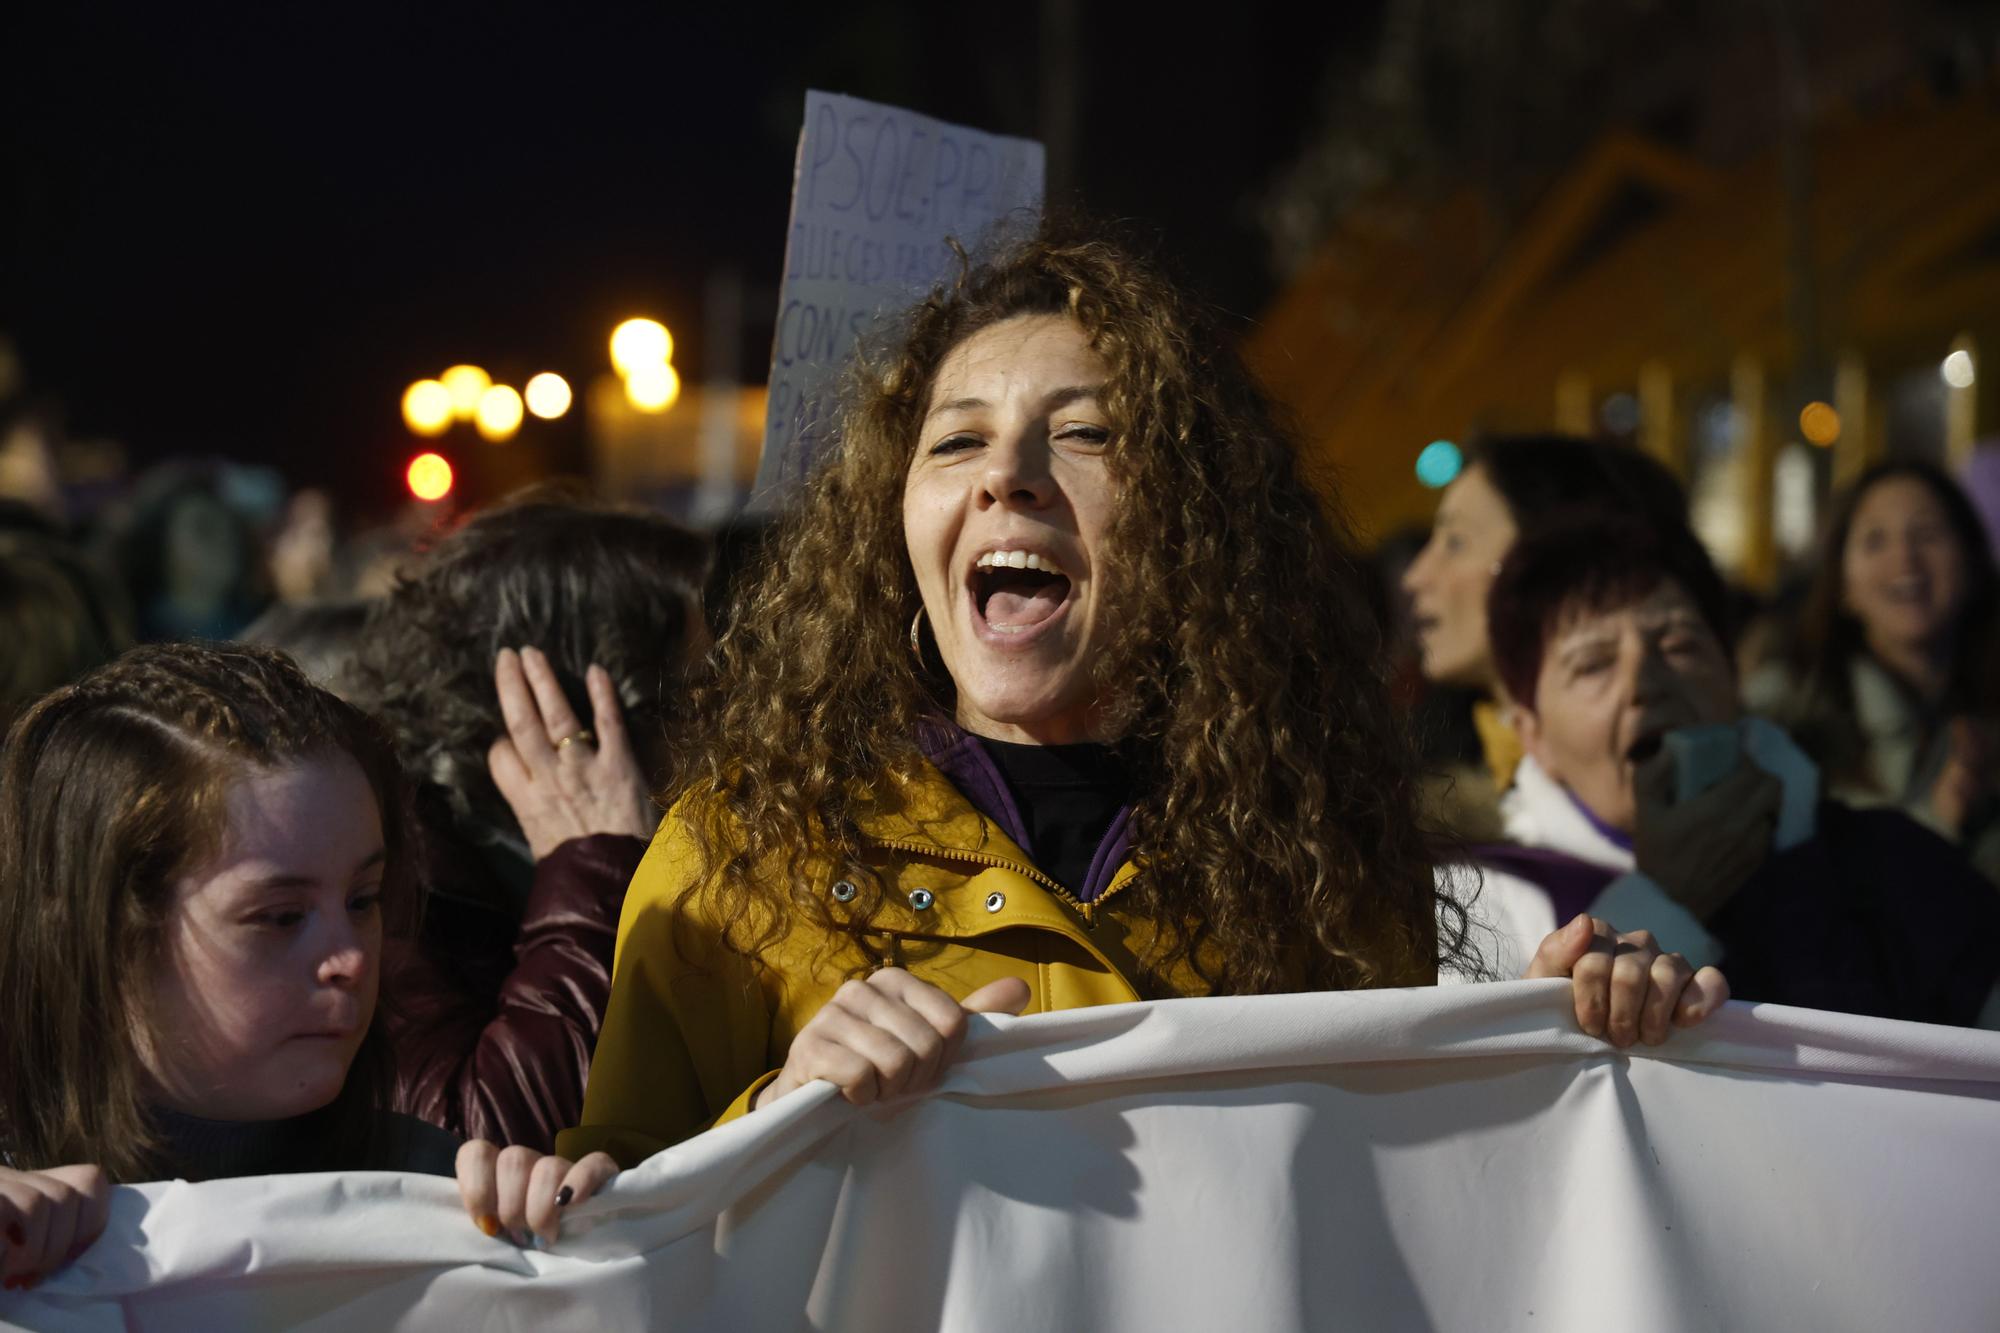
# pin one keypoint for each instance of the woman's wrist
(771, 1091)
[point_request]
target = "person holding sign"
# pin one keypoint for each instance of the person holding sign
(1058, 689)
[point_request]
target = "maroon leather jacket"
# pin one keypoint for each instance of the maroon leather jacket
(494, 1011)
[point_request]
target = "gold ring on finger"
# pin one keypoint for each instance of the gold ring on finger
(584, 736)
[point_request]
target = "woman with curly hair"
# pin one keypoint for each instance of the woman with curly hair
(1059, 689)
(530, 823)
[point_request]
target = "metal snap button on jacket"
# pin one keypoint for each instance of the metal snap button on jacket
(995, 901)
(921, 899)
(843, 891)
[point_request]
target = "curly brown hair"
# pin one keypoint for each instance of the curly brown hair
(1276, 787)
(112, 789)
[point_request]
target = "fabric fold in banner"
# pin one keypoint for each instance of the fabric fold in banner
(1452, 1158)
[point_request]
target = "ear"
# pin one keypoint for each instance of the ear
(1528, 726)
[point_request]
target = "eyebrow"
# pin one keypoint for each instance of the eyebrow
(1571, 645)
(379, 856)
(1058, 398)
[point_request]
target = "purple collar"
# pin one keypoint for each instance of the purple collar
(957, 754)
(1617, 837)
(1570, 882)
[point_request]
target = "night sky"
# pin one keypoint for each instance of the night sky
(241, 236)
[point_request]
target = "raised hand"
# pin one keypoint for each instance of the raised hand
(1702, 850)
(562, 780)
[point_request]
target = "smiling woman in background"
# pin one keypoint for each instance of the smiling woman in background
(1059, 689)
(1894, 683)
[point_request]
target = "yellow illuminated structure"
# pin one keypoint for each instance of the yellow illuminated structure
(640, 343)
(498, 415)
(1633, 273)
(652, 388)
(429, 477)
(1820, 424)
(548, 395)
(427, 408)
(465, 383)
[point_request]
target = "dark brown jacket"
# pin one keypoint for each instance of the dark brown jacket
(494, 1012)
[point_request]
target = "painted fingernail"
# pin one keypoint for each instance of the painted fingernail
(15, 1235)
(563, 1196)
(489, 1224)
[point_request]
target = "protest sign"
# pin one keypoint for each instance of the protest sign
(877, 195)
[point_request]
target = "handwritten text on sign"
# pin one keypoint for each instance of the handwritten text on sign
(877, 193)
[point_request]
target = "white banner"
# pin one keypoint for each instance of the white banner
(876, 192)
(1452, 1158)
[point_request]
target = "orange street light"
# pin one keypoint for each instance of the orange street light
(427, 408)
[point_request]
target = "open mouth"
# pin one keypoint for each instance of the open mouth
(1017, 590)
(1647, 746)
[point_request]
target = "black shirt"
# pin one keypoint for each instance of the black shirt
(197, 1149)
(1068, 796)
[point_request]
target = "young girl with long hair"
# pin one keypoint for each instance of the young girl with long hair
(201, 853)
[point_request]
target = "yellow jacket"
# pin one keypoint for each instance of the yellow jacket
(694, 1031)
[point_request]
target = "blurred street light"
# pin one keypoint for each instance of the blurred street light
(1439, 464)
(652, 388)
(466, 383)
(427, 408)
(548, 395)
(429, 477)
(498, 415)
(1820, 424)
(639, 343)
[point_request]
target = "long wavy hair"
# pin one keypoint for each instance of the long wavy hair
(1830, 636)
(549, 568)
(1275, 822)
(112, 790)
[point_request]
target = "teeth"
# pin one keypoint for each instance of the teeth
(1017, 560)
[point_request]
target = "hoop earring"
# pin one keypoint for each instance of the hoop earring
(916, 628)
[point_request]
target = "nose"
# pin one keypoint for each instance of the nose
(1911, 551)
(348, 960)
(1418, 572)
(1650, 675)
(1017, 473)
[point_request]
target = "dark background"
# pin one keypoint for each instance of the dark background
(241, 234)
